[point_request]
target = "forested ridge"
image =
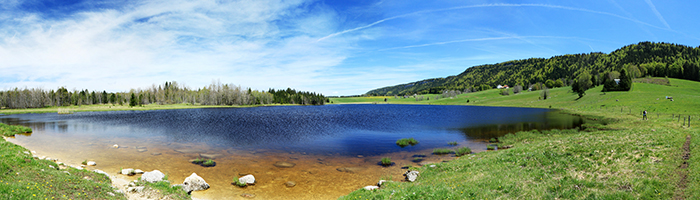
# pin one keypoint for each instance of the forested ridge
(642, 59)
(167, 93)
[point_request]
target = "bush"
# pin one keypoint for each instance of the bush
(442, 151)
(463, 151)
(406, 141)
(386, 161)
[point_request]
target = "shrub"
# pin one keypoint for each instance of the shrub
(386, 161)
(442, 151)
(463, 151)
(406, 141)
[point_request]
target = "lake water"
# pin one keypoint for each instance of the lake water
(319, 139)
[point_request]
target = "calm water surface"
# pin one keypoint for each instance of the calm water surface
(320, 140)
(342, 129)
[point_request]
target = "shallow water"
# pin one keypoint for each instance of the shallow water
(318, 139)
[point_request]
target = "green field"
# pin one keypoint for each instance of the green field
(629, 158)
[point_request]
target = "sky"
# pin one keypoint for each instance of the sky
(331, 47)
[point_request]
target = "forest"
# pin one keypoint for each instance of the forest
(638, 60)
(167, 93)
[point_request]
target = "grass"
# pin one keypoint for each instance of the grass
(442, 151)
(452, 143)
(386, 161)
(9, 130)
(209, 163)
(165, 189)
(490, 147)
(406, 141)
(624, 158)
(24, 177)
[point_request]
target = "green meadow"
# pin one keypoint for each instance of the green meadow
(627, 158)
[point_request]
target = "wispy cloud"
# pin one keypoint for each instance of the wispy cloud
(486, 5)
(658, 15)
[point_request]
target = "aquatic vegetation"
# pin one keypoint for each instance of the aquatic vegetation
(238, 182)
(442, 151)
(386, 161)
(406, 141)
(463, 151)
(453, 143)
(490, 147)
(209, 163)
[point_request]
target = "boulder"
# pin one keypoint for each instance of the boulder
(282, 164)
(152, 176)
(194, 183)
(381, 182)
(411, 175)
(116, 146)
(138, 171)
(248, 179)
(290, 184)
(371, 187)
(91, 163)
(128, 171)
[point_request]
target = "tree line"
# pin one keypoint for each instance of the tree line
(167, 93)
(638, 60)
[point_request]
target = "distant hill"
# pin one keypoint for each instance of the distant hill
(642, 59)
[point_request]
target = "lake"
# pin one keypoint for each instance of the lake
(320, 140)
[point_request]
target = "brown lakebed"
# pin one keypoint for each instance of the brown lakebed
(327, 151)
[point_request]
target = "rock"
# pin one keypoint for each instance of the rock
(243, 173)
(110, 194)
(381, 182)
(128, 171)
(190, 151)
(119, 191)
(411, 175)
(371, 187)
(101, 172)
(52, 166)
(432, 166)
(350, 169)
(246, 195)
(209, 155)
(33, 152)
(248, 179)
(156, 154)
(116, 146)
(91, 163)
(290, 184)
(426, 163)
(138, 171)
(135, 189)
(142, 150)
(360, 156)
(152, 176)
(282, 164)
(194, 183)
(141, 147)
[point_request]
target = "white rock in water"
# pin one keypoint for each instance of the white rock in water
(371, 187)
(153, 176)
(194, 183)
(115, 146)
(248, 179)
(138, 171)
(91, 163)
(128, 171)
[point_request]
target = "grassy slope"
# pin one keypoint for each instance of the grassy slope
(629, 159)
(25, 177)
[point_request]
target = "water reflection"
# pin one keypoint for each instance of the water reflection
(540, 121)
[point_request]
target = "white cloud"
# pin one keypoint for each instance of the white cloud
(257, 44)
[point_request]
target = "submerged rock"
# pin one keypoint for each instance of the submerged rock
(116, 146)
(190, 151)
(128, 172)
(350, 169)
(411, 175)
(152, 176)
(283, 164)
(156, 154)
(194, 183)
(247, 195)
(209, 155)
(290, 184)
(142, 150)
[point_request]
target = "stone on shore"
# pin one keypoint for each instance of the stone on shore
(101, 172)
(411, 175)
(283, 164)
(138, 171)
(91, 163)
(194, 183)
(128, 172)
(152, 176)
(371, 187)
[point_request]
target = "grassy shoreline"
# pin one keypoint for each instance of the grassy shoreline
(629, 158)
(109, 107)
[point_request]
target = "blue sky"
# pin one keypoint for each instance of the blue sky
(331, 47)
